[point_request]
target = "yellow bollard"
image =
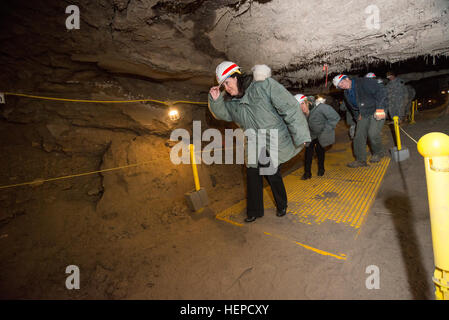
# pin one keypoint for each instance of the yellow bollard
(396, 130)
(412, 120)
(434, 147)
(194, 169)
(196, 199)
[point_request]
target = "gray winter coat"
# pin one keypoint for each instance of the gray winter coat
(397, 96)
(322, 121)
(266, 105)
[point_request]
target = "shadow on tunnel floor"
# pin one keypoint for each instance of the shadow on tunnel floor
(400, 206)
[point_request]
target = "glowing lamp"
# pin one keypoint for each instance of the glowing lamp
(173, 114)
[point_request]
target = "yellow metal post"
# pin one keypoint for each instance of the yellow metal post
(412, 120)
(434, 147)
(396, 130)
(195, 171)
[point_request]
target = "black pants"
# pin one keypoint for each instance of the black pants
(255, 191)
(314, 146)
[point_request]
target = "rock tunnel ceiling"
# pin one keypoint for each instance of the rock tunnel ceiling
(185, 40)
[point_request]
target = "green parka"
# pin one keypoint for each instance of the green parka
(266, 105)
(322, 122)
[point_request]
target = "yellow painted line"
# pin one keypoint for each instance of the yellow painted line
(319, 251)
(235, 209)
(229, 221)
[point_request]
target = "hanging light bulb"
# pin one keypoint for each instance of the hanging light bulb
(173, 114)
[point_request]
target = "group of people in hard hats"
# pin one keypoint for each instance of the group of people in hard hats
(257, 101)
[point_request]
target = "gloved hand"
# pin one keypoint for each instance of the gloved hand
(379, 114)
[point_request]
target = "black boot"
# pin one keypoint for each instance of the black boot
(320, 172)
(281, 212)
(250, 219)
(307, 175)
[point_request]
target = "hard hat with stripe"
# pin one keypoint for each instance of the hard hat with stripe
(338, 78)
(225, 69)
(300, 97)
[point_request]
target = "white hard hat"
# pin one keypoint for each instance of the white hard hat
(370, 75)
(300, 97)
(225, 69)
(338, 78)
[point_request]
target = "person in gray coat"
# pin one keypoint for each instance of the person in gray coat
(408, 101)
(322, 119)
(258, 102)
(397, 96)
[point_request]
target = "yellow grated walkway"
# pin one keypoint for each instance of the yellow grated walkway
(343, 196)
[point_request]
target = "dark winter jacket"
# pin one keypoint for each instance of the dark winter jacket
(369, 94)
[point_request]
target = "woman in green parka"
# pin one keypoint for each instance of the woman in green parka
(258, 102)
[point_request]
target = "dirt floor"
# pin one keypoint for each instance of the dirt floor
(167, 252)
